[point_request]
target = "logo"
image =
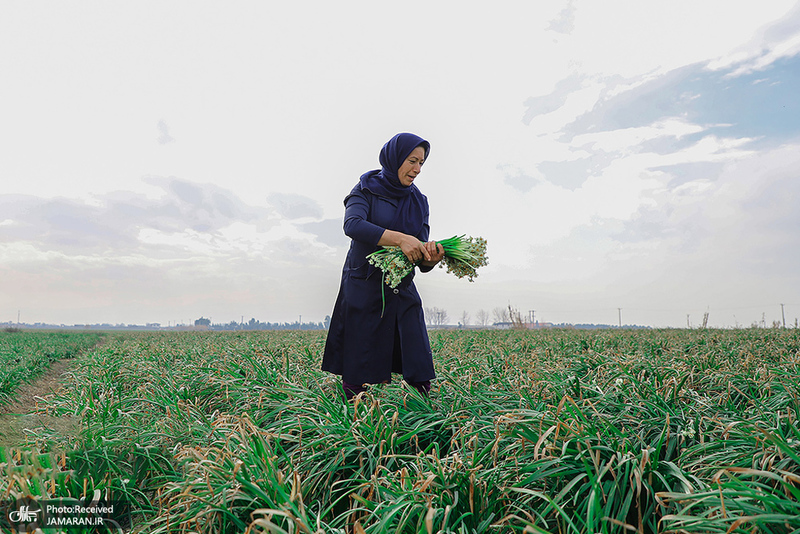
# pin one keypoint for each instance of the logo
(24, 515)
(25, 512)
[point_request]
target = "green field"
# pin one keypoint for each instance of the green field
(557, 431)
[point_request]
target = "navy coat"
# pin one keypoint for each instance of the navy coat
(362, 346)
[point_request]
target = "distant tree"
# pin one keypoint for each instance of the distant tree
(464, 318)
(482, 317)
(440, 316)
(327, 323)
(516, 318)
(435, 316)
(202, 321)
(500, 315)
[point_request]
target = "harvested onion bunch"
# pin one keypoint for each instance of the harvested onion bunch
(462, 257)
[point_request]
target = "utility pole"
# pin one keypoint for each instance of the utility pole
(619, 311)
(18, 317)
(783, 316)
(532, 314)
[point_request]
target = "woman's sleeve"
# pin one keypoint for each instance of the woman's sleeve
(356, 225)
(425, 233)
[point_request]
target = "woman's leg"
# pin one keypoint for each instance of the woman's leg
(351, 390)
(423, 387)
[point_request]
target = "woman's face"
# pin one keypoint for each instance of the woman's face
(412, 166)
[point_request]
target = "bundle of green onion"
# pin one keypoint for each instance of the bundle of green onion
(462, 257)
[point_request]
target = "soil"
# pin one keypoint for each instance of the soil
(20, 419)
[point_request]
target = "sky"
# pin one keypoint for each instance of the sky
(627, 161)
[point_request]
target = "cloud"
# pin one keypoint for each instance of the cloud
(294, 206)
(565, 21)
(202, 208)
(193, 245)
(573, 174)
(164, 136)
(328, 231)
(693, 171)
(61, 224)
(773, 42)
(549, 114)
(719, 233)
(188, 220)
(541, 105)
(112, 223)
(724, 244)
(518, 179)
(626, 139)
(704, 100)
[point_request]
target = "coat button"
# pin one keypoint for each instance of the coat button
(396, 291)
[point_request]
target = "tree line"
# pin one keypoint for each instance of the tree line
(439, 317)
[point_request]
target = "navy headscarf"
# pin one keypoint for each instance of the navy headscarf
(385, 182)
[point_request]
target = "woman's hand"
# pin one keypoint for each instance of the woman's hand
(429, 254)
(414, 249)
(435, 253)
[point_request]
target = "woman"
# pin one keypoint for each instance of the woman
(371, 336)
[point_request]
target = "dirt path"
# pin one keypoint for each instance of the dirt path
(26, 395)
(19, 420)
